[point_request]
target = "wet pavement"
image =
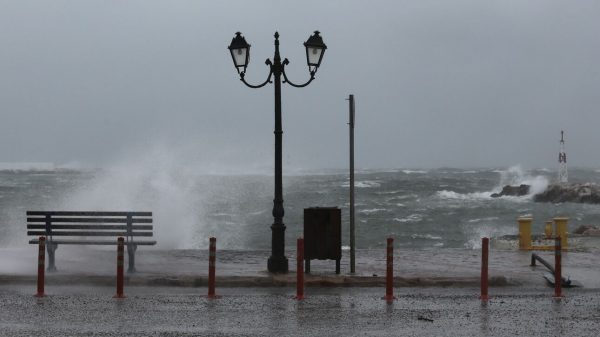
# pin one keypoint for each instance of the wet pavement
(437, 295)
(271, 311)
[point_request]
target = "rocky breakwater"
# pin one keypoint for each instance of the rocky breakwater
(514, 191)
(581, 193)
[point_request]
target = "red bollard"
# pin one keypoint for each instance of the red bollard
(212, 250)
(557, 269)
(389, 279)
(41, 267)
(485, 243)
(120, 263)
(300, 269)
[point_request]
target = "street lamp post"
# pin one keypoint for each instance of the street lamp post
(240, 53)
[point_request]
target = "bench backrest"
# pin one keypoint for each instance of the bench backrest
(60, 223)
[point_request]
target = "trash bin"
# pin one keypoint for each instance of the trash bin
(322, 235)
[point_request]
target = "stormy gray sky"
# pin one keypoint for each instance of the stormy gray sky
(464, 83)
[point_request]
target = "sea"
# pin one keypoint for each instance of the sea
(421, 208)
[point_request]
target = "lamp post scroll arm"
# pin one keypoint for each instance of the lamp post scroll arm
(267, 62)
(286, 80)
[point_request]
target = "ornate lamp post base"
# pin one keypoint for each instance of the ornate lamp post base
(277, 264)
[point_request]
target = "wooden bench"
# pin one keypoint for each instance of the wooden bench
(55, 226)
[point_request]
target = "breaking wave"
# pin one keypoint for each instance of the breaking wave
(426, 236)
(363, 184)
(513, 176)
(414, 171)
(410, 218)
(373, 210)
(445, 194)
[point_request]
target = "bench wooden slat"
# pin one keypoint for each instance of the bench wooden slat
(90, 220)
(90, 242)
(86, 228)
(91, 227)
(71, 213)
(74, 233)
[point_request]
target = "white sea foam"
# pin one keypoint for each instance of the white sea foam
(387, 192)
(479, 196)
(426, 236)
(363, 184)
(410, 218)
(403, 197)
(445, 194)
(414, 171)
(372, 210)
(484, 219)
(513, 176)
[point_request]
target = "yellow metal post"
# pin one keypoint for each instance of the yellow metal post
(548, 229)
(525, 233)
(561, 230)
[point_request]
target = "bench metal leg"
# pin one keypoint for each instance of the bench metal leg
(337, 266)
(51, 248)
(131, 248)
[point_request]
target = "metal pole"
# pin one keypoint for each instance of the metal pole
(557, 268)
(300, 269)
(212, 254)
(389, 275)
(41, 267)
(278, 263)
(352, 237)
(485, 243)
(120, 263)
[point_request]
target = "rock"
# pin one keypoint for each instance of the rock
(515, 191)
(581, 193)
(587, 230)
(581, 229)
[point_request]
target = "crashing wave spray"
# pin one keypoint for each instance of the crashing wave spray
(515, 176)
(157, 183)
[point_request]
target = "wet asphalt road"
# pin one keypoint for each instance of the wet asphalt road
(168, 311)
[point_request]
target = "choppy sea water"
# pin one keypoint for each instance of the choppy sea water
(430, 209)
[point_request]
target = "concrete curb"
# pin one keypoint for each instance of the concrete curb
(288, 280)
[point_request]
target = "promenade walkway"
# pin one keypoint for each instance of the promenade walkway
(189, 268)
